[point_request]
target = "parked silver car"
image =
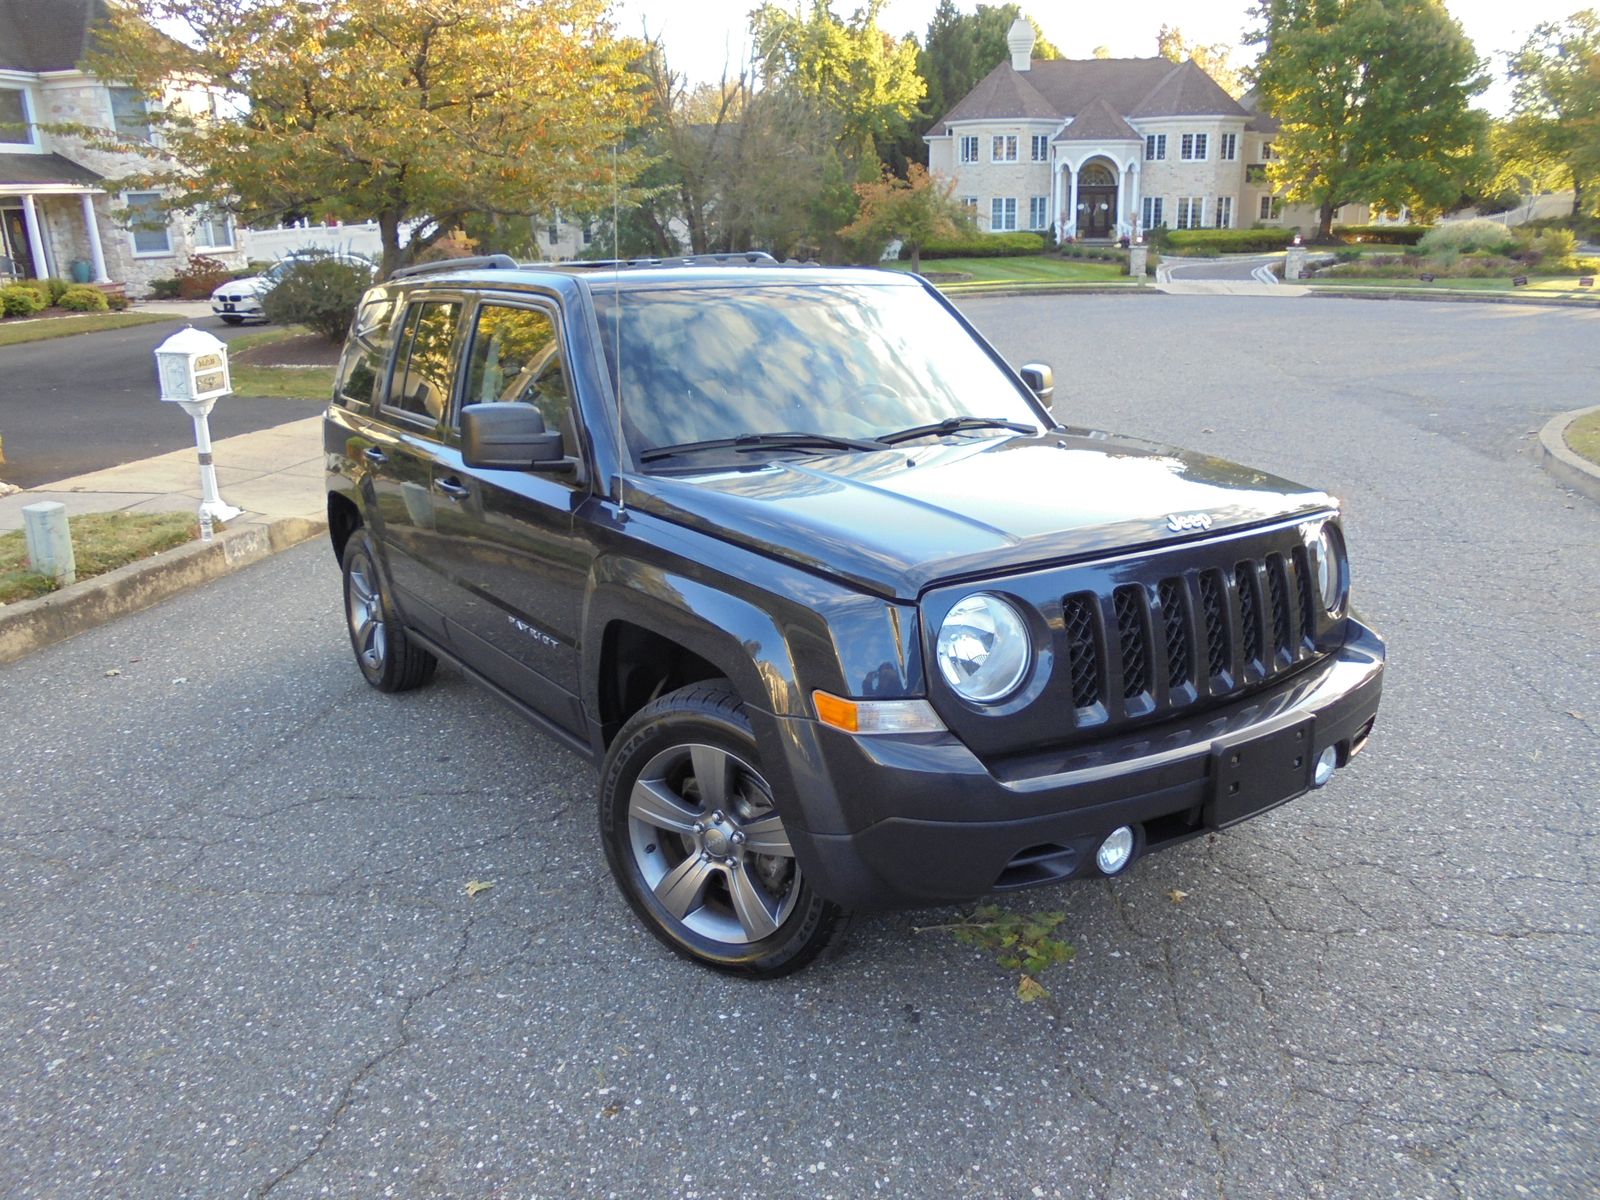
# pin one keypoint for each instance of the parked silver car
(239, 300)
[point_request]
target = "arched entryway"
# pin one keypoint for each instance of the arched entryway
(1097, 200)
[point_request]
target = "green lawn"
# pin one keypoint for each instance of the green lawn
(101, 542)
(1583, 435)
(1029, 270)
(285, 382)
(14, 332)
(1565, 285)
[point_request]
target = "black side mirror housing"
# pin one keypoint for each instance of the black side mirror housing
(1041, 381)
(509, 437)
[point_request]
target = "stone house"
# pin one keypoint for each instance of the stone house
(58, 215)
(1108, 148)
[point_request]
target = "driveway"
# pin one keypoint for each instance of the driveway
(238, 957)
(1234, 268)
(76, 404)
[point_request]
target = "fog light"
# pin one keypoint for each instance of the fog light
(1115, 851)
(1326, 761)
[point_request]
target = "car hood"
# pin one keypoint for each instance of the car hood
(898, 521)
(252, 285)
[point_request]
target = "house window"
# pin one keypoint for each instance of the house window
(1228, 149)
(1155, 146)
(1152, 215)
(552, 231)
(1194, 147)
(1038, 212)
(130, 114)
(1003, 214)
(148, 223)
(1266, 208)
(1003, 148)
(213, 230)
(588, 231)
(1191, 212)
(14, 127)
(1041, 147)
(969, 149)
(1224, 212)
(1266, 152)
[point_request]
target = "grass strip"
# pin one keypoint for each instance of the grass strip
(1583, 436)
(101, 542)
(14, 333)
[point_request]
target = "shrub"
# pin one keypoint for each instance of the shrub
(1349, 254)
(1092, 253)
(58, 288)
(320, 292)
(80, 297)
(1226, 241)
(116, 301)
(163, 289)
(40, 287)
(201, 276)
(1384, 235)
(1467, 236)
(984, 245)
(20, 300)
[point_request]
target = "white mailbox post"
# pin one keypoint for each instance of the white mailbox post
(192, 367)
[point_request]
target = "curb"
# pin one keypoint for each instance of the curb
(30, 625)
(1537, 301)
(1133, 288)
(1554, 456)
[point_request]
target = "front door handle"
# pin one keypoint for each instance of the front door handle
(375, 456)
(453, 488)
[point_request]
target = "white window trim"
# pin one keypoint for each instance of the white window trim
(1194, 141)
(1150, 212)
(30, 118)
(1155, 147)
(1035, 143)
(133, 243)
(1003, 202)
(1015, 147)
(1038, 212)
(1222, 213)
(147, 136)
(233, 234)
(1227, 151)
(961, 148)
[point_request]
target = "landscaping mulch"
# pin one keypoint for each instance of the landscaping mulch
(303, 350)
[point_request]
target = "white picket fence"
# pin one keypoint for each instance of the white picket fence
(273, 244)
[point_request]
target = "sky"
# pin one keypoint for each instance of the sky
(702, 35)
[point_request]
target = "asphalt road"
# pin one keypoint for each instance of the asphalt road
(1234, 268)
(238, 959)
(82, 403)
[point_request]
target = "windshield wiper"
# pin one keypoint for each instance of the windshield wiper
(954, 425)
(763, 441)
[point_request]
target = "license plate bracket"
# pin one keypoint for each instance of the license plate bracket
(1252, 774)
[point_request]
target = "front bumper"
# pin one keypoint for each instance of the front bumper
(907, 822)
(250, 309)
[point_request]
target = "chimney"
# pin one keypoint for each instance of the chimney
(1020, 39)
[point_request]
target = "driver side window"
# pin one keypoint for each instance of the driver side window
(516, 358)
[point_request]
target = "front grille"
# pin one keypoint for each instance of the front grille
(1082, 656)
(1244, 582)
(1217, 652)
(1175, 624)
(1279, 592)
(1302, 573)
(1131, 639)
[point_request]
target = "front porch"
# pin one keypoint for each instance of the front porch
(50, 215)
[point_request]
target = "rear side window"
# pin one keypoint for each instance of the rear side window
(364, 351)
(516, 358)
(420, 384)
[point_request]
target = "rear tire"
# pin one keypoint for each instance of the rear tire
(387, 657)
(696, 845)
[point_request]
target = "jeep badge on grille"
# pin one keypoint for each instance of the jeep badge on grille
(1183, 522)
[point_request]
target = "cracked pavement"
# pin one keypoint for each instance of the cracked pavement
(237, 957)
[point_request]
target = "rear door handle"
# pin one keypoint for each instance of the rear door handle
(375, 456)
(453, 488)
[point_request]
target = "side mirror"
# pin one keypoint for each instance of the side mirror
(509, 437)
(1041, 381)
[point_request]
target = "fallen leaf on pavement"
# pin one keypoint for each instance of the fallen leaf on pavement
(478, 885)
(1177, 895)
(1030, 989)
(113, 671)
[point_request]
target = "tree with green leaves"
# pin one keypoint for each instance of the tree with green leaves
(407, 112)
(1216, 60)
(1374, 100)
(851, 68)
(917, 210)
(1555, 102)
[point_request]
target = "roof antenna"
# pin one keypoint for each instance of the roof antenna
(616, 330)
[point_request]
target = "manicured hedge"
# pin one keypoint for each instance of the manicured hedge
(985, 245)
(80, 297)
(20, 300)
(1227, 241)
(1386, 235)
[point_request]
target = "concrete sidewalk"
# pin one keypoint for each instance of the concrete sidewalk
(271, 474)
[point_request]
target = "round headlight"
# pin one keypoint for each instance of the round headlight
(1330, 566)
(983, 648)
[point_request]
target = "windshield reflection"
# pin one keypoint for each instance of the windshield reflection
(707, 362)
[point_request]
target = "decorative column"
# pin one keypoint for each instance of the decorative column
(97, 254)
(41, 269)
(1138, 200)
(1072, 202)
(1055, 195)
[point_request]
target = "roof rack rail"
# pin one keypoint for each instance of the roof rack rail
(751, 258)
(502, 262)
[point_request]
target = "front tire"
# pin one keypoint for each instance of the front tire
(387, 657)
(695, 843)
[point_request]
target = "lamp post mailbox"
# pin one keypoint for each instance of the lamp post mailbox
(192, 367)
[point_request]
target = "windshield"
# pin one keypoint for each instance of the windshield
(700, 364)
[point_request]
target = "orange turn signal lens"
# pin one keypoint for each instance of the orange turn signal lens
(876, 716)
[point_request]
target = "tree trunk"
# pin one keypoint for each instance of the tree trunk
(916, 259)
(1325, 223)
(1577, 195)
(389, 231)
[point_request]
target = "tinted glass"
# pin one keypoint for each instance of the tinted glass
(516, 358)
(362, 362)
(849, 360)
(421, 381)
